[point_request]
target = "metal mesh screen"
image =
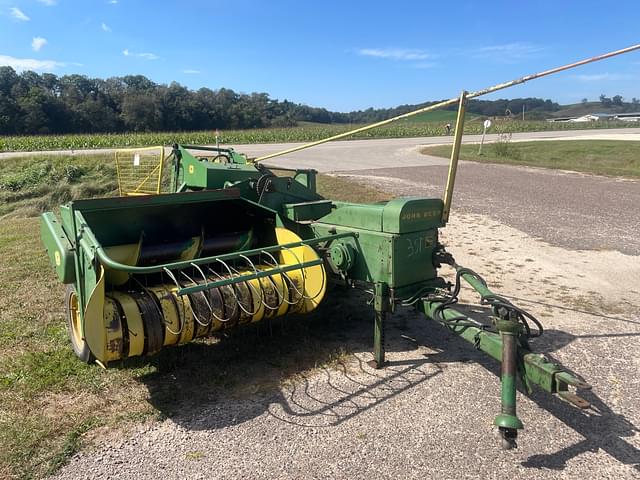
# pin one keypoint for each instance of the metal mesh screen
(139, 170)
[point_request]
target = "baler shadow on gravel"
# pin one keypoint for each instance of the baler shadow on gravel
(234, 243)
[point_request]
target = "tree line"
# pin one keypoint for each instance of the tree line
(32, 103)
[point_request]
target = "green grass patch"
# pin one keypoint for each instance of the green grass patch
(34, 184)
(442, 116)
(600, 157)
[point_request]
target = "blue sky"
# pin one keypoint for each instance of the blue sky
(342, 55)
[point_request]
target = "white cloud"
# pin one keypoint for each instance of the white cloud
(48, 3)
(602, 77)
(190, 71)
(37, 43)
(21, 64)
(395, 53)
(146, 55)
(105, 27)
(508, 52)
(18, 14)
(112, 2)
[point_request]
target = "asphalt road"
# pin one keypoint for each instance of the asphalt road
(401, 152)
(567, 209)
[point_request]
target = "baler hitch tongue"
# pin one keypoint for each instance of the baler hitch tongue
(563, 380)
(507, 341)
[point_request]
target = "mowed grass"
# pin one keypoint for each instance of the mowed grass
(51, 404)
(600, 157)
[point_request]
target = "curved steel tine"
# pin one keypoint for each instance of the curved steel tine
(233, 288)
(304, 278)
(282, 274)
(164, 287)
(220, 277)
(275, 265)
(172, 277)
(204, 295)
(181, 323)
(237, 272)
(262, 294)
(193, 311)
(255, 270)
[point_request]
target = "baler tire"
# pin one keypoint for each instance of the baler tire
(78, 344)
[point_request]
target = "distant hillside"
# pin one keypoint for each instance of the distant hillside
(32, 103)
(579, 109)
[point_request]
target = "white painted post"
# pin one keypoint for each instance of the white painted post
(486, 125)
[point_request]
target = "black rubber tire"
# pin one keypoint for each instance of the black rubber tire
(80, 347)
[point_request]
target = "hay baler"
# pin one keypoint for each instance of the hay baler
(235, 243)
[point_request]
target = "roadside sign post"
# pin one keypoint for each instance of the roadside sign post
(486, 125)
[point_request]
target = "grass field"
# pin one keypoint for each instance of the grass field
(441, 116)
(303, 133)
(51, 403)
(601, 157)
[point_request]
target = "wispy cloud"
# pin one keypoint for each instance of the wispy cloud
(406, 54)
(37, 43)
(48, 3)
(105, 27)
(18, 14)
(191, 72)
(21, 64)
(146, 55)
(508, 52)
(602, 77)
(112, 2)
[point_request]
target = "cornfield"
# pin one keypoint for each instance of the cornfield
(304, 133)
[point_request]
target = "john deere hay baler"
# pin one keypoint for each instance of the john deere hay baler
(234, 243)
(237, 244)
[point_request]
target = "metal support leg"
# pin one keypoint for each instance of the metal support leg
(507, 421)
(381, 304)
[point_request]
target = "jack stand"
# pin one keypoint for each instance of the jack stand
(507, 421)
(381, 305)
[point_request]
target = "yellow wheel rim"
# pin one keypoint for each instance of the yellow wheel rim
(75, 321)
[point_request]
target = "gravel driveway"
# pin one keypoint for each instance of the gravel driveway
(429, 414)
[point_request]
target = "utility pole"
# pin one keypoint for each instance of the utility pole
(523, 112)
